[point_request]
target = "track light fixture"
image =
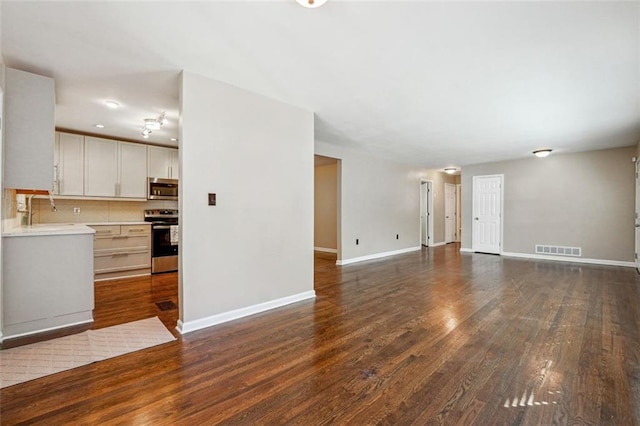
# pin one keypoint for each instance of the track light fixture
(151, 124)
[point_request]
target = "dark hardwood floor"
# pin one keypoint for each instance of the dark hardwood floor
(430, 337)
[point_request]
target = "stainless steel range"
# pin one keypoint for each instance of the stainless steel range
(164, 239)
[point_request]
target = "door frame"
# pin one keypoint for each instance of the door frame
(637, 219)
(473, 210)
(429, 184)
(458, 213)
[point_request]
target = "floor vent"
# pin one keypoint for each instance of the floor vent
(558, 250)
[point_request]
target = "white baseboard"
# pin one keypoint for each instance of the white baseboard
(376, 256)
(465, 250)
(571, 259)
(441, 243)
(325, 250)
(189, 326)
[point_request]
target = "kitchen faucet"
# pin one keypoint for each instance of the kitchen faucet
(30, 212)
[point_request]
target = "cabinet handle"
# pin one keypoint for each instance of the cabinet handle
(103, 231)
(136, 230)
(119, 237)
(120, 254)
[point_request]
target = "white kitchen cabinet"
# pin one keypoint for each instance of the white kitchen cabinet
(69, 164)
(122, 251)
(132, 170)
(47, 281)
(28, 130)
(100, 167)
(163, 162)
(114, 169)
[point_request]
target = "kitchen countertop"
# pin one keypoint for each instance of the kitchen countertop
(48, 229)
(117, 223)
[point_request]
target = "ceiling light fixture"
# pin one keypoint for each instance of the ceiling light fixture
(541, 153)
(450, 170)
(100, 126)
(311, 4)
(174, 140)
(112, 104)
(151, 124)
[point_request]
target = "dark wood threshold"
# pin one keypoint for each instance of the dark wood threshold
(45, 335)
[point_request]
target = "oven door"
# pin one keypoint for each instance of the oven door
(162, 243)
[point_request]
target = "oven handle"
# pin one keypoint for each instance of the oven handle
(163, 226)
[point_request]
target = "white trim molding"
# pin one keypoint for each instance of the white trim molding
(189, 326)
(377, 255)
(466, 250)
(570, 259)
(441, 243)
(325, 249)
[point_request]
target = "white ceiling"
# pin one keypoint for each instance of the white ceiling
(429, 83)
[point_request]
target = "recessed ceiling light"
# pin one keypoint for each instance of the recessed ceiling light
(174, 140)
(541, 153)
(450, 170)
(311, 4)
(112, 104)
(100, 126)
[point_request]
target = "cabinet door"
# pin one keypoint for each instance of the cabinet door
(133, 170)
(28, 130)
(100, 167)
(69, 164)
(159, 162)
(174, 164)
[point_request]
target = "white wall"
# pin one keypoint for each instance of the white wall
(380, 199)
(256, 246)
(577, 200)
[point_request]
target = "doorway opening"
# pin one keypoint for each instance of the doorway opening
(326, 223)
(426, 212)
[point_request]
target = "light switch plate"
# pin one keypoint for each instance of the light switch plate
(212, 199)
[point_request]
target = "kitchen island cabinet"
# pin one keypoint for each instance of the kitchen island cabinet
(47, 275)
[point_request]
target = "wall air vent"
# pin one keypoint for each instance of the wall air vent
(558, 250)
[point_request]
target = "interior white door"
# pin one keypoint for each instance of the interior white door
(449, 212)
(487, 214)
(458, 213)
(424, 234)
(638, 215)
(426, 213)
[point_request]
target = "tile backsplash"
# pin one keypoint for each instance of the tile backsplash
(92, 211)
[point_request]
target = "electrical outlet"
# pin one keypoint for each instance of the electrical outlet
(76, 210)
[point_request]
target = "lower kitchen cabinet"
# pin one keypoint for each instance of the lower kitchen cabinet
(47, 282)
(121, 251)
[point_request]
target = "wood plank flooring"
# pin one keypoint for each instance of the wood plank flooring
(430, 337)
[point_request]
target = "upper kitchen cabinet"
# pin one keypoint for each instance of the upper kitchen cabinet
(100, 167)
(114, 169)
(163, 162)
(132, 170)
(29, 103)
(68, 165)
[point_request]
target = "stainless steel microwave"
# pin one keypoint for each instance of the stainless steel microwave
(162, 189)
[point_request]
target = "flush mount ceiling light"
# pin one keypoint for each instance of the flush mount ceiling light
(151, 124)
(311, 4)
(541, 153)
(112, 104)
(450, 170)
(100, 126)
